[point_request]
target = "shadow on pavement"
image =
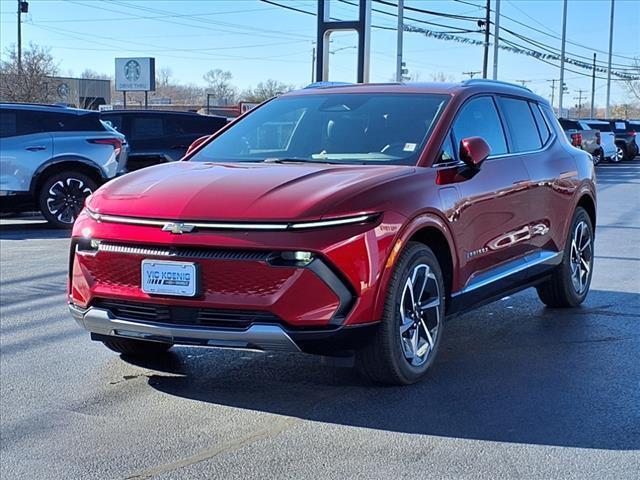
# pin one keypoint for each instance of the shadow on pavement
(521, 373)
(24, 230)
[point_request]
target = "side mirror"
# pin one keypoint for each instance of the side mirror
(196, 143)
(474, 151)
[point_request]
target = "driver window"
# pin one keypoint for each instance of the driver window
(479, 118)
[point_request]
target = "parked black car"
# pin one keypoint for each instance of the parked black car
(625, 133)
(159, 136)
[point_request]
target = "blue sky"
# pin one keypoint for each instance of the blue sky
(256, 41)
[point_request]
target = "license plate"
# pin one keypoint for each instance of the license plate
(169, 278)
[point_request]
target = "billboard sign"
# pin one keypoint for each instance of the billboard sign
(135, 74)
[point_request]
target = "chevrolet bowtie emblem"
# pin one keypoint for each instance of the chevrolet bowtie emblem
(178, 228)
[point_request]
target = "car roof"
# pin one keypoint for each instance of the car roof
(130, 111)
(38, 107)
(467, 87)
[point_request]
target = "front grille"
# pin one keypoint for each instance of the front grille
(185, 316)
(185, 252)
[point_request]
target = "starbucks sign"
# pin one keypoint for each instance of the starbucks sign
(135, 74)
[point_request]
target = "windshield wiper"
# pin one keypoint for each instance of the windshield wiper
(296, 160)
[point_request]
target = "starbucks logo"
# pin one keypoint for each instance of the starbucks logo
(63, 90)
(132, 71)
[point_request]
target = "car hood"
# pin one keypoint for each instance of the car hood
(239, 191)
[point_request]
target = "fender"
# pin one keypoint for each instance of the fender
(424, 220)
(64, 159)
(583, 190)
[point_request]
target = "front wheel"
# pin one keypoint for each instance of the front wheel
(407, 340)
(569, 284)
(62, 196)
(598, 156)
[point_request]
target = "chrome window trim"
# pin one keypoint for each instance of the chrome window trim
(235, 225)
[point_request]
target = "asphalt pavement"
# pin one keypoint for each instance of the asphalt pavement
(518, 390)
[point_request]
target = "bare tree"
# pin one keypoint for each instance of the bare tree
(266, 90)
(219, 85)
(633, 86)
(93, 75)
(442, 77)
(31, 82)
(163, 76)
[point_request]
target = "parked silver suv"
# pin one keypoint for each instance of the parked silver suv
(52, 158)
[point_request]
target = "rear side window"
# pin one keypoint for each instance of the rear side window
(70, 122)
(522, 126)
(146, 127)
(8, 124)
(479, 118)
(569, 124)
(543, 127)
(114, 120)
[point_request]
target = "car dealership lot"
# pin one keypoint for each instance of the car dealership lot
(517, 391)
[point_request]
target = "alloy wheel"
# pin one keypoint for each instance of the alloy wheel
(581, 257)
(420, 315)
(619, 155)
(66, 199)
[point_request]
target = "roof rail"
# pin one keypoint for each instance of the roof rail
(477, 81)
(327, 84)
(28, 104)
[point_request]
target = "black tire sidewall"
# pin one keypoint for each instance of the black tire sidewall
(414, 254)
(575, 299)
(43, 194)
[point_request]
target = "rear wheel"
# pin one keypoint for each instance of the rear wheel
(407, 340)
(598, 156)
(619, 155)
(136, 348)
(62, 196)
(569, 284)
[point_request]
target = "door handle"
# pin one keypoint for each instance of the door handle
(36, 148)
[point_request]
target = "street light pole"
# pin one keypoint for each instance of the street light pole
(564, 40)
(609, 66)
(399, 41)
(19, 35)
(496, 36)
(593, 88)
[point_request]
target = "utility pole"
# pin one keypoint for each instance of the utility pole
(579, 98)
(399, 41)
(23, 7)
(487, 25)
(313, 64)
(471, 74)
(564, 41)
(496, 37)
(523, 82)
(609, 66)
(553, 91)
(593, 88)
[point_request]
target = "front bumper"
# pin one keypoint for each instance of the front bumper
(102, 323)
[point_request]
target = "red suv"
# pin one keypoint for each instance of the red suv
(339, 220)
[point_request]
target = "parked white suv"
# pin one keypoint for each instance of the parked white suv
(607, 139)
(52, 158)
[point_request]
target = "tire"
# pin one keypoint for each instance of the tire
(386, 359)
(619, 155)
(598, 156)
(136, 348)
(567, 286)
(61, 197)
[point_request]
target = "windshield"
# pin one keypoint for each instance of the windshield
(332, 128)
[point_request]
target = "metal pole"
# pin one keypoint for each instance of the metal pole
(487, 21)
(124, 99)
(146, 100)
(593, 88)
(609, 66)
(399, 41)
(313, 64)
(564, 40)
(553, 91)
(19, 36)
(496, 36)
